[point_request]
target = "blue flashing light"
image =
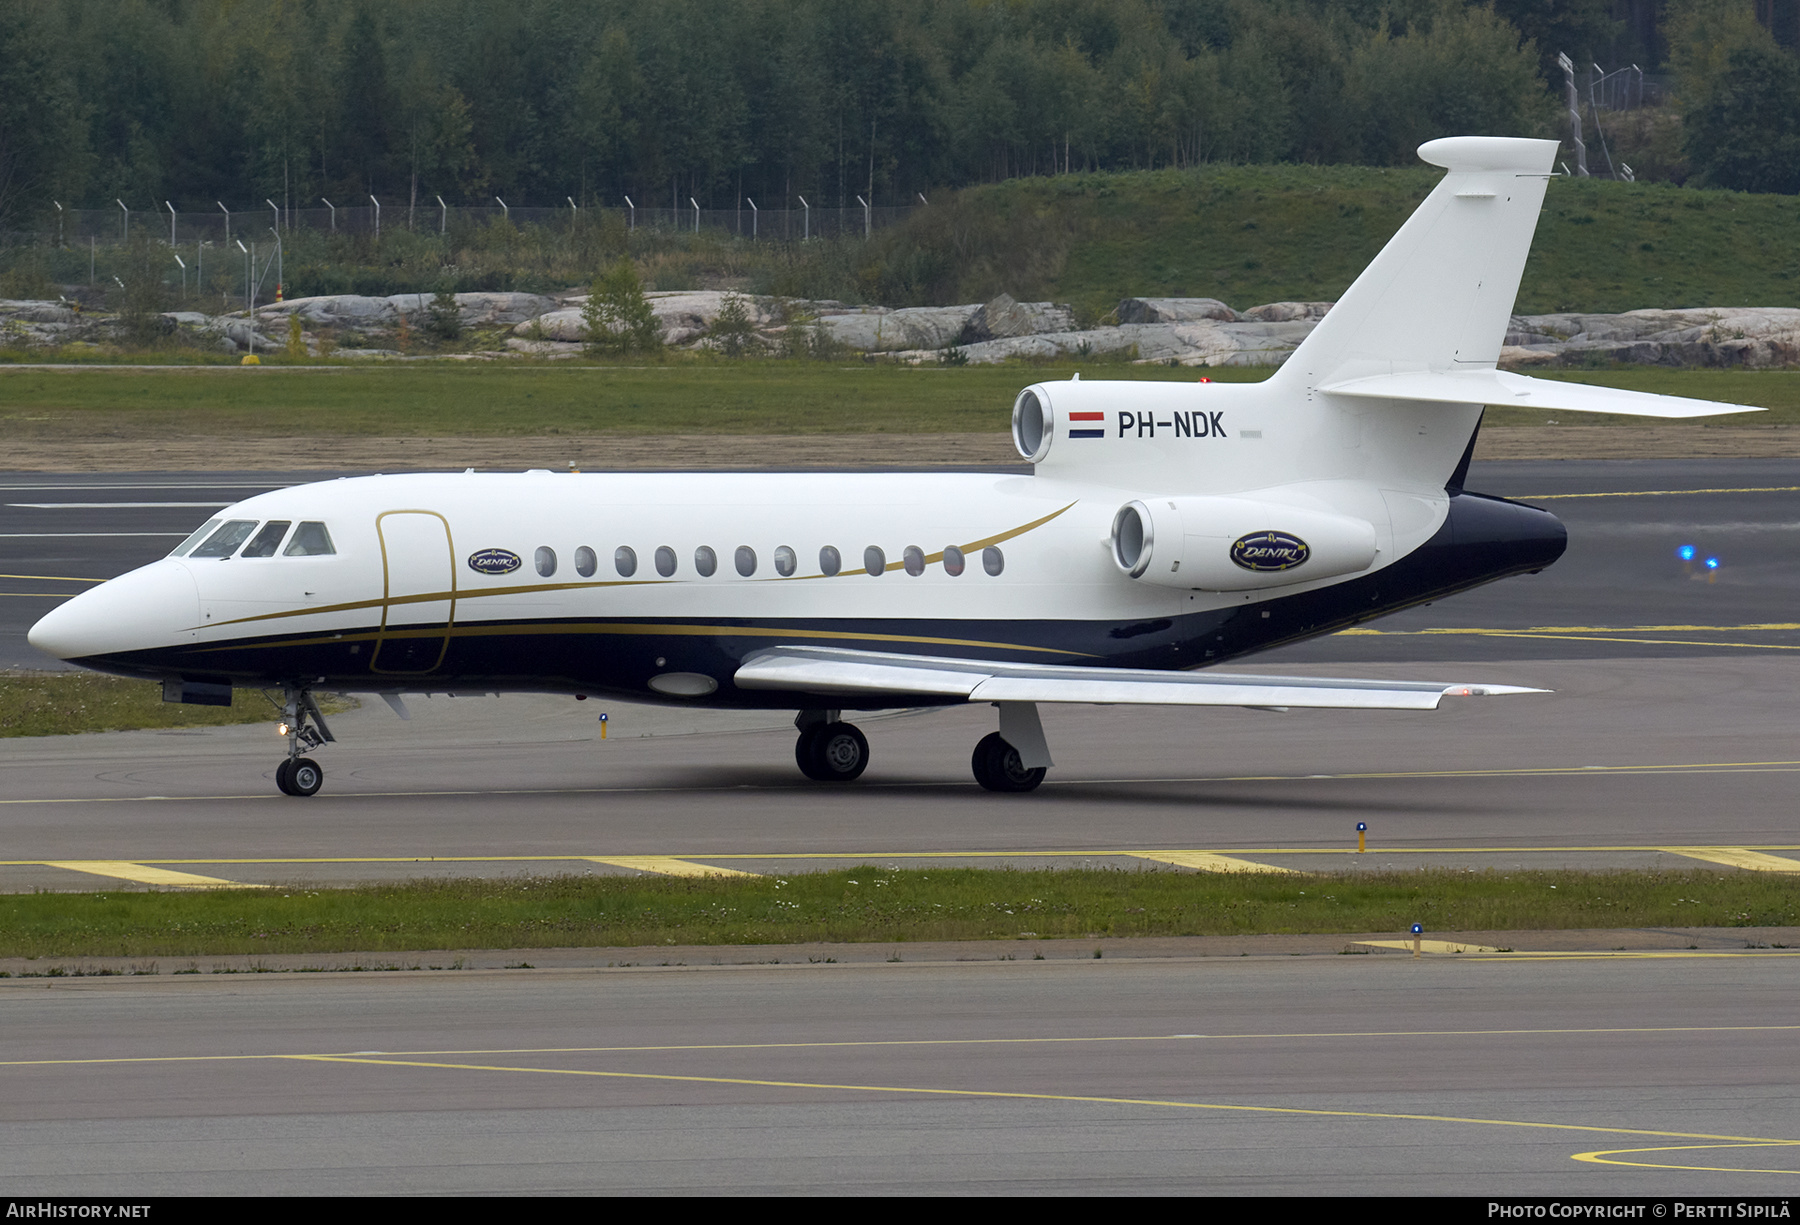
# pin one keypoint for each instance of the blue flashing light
(1712, 563)
(1417, 928)
(1685, 552)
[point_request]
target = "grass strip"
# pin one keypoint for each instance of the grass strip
(870, 903)
(680, 396)
(62, 703)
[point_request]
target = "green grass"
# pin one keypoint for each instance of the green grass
(62, 703)
(870, 904)
(1253, 234)
(679, 397)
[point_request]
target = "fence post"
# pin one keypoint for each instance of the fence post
(633, 208)
(696, 205)
(328, 204)
(59, 222)
(443, 214)
(865, 205)
(806, 232)
(754, 217)
(171, 209)
(227, 213)
(504, 209)
(125, 222)
(377, 205)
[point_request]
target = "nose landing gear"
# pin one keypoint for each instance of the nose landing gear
(304, 728)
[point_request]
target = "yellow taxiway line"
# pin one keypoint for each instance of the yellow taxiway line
(121, 869)
(669, 865)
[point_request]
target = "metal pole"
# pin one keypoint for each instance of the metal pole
(806, 231)
(504, 209)
(59, 223)
(246, 252)
(183, 264)
(333, 208)
(922, 199)
(633, 208)
(171, 209)
(696, 205)
(865, 205)
(277, 209)
(574, 213)
(227, 213)
(754, 217)
(125, 222)
(1574, 108)
(377, 204)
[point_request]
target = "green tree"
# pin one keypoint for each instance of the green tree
(732, 330)
(617, 317)
(1745, 132)
(445, 318)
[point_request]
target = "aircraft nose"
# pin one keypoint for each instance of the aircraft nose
(150, 607)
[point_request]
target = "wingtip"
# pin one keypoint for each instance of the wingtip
(1489, 691)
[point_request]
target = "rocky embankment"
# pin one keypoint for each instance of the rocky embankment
(1170, 331)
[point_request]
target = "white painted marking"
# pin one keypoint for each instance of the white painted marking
(113, 505)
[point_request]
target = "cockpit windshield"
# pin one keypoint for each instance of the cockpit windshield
(310, 540)
(225, 541)
(201, 533)
(265, 542)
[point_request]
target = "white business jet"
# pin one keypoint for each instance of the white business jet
(1165, 527)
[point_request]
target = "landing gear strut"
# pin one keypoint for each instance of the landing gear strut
(829, 751)
(304, 728)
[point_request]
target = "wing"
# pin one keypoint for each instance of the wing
(837, 672)
(1499, 387)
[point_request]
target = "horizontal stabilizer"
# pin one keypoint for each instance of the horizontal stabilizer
(877, 675)
(1496, 388)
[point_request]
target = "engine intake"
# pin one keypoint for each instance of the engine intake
(1237, 543)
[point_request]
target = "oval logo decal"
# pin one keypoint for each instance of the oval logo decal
(494, 561)
(1265, 551)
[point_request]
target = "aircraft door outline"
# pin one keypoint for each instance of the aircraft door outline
(409, 570)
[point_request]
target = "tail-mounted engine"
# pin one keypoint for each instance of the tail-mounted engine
(1236, 543)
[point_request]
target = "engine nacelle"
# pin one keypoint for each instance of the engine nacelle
(1237, 543)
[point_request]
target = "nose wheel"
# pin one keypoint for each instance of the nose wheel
(304, 728)
(299, 776)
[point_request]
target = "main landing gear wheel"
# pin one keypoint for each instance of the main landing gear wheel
(998, 768)
(831, 752)
(299, 776)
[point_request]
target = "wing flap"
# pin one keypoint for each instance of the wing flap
(1498, 388)
(875, 674)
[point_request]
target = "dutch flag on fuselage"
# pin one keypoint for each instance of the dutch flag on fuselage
(1075, 433)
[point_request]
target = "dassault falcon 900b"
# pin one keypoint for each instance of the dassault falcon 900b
(1165, 527)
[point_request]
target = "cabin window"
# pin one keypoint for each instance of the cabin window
(265, 542)
(225, 541)
(745, 560)
(546, 560)
(785, 561)
(585, 562)
(953, 560)
(874, 560)
(992, 560)
(829, 561)
(705, 560)
(625, 560)
(310, 540)
(665, 560)
(914, 558)
(200, 533)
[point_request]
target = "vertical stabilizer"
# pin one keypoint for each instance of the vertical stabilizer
(1438, 296)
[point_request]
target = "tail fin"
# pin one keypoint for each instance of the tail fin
(1438, 296)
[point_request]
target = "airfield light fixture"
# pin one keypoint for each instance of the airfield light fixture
(1685, 552)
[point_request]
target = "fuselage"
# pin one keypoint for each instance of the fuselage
(614, 583)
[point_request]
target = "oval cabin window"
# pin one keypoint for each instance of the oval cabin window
(706, 561)
(745, 559)
(914, 558)
(953, 560)
(585, 562)
(829, 561)
(785, 561)
(874, 560)
(546, 560)
(993, 560)
(665, 561)
(625, 560)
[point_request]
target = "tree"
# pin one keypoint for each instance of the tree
(617, 317)
(445, 318)
(1742, 134)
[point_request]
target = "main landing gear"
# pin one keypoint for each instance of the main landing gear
(1013, 759)
(304, 728)
(829, 751)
